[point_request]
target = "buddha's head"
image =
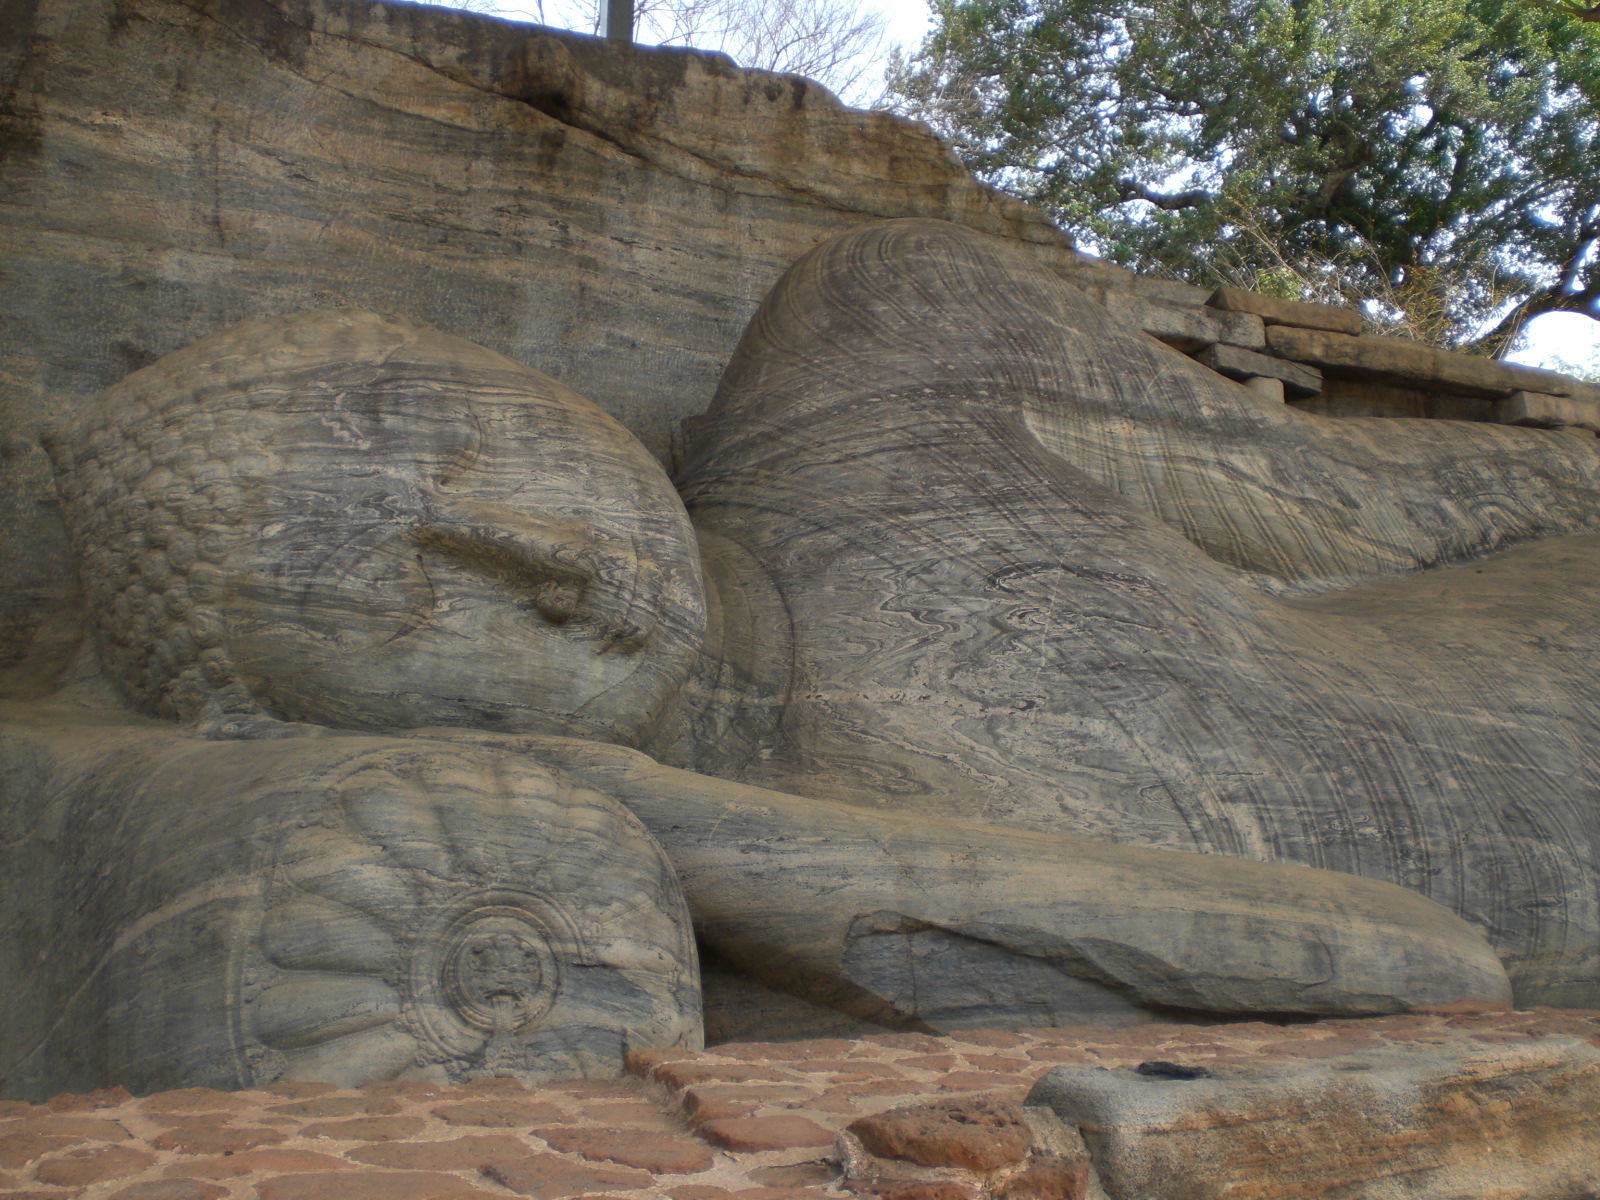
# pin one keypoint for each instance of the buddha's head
(360, 522)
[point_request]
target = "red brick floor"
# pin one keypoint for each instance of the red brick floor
(756, 1121)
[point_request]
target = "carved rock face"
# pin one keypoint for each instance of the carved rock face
(359, 522)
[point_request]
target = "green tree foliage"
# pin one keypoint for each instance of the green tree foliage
(1437, 161)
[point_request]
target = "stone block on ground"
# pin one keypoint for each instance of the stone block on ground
(92, 1164)
(1238, 363)
(915, 1189)
(1185, 328)
(207, 1136)
(658, 1153)
(1274, 311)
(178, 1189)
(464, 1153)
(782, 1132)
(1046, 1179)
(955, 1149)
(498, 1114)
(1552, 412)
(367, 1129)
(980, 1134)
(370, 1185)
(1423, 1124)
(548, 1176)
(271, 1160)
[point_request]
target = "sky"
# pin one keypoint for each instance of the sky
(906, 22)
(1559, 341)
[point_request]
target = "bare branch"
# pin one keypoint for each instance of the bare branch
(1499, 340)
(1583, 12)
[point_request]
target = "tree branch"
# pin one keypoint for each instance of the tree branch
(1572, 270)
(1584, 12)
(1130, 189)
(1499, 339)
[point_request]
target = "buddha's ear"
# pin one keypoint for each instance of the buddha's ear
(52, 443)
(55, 439)
(58, 438)
(52, 436)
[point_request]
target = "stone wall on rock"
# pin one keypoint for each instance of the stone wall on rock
(1317, 357)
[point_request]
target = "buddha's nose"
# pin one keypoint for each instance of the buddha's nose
(571, 573)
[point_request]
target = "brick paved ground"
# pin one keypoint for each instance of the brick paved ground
(756, 1121)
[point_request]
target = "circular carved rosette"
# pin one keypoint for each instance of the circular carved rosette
(490, 970)
(455, 911)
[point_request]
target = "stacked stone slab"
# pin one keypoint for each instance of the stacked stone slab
(1317, 357)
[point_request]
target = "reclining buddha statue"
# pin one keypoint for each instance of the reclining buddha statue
(1043, 572)
(1004, 667)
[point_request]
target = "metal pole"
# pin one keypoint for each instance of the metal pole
(619, 20)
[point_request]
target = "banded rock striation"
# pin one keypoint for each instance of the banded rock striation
(403, 607)
(609, 214)
(1057, 605)
(1039, 571)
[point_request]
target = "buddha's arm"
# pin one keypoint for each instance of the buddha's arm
(788, 886)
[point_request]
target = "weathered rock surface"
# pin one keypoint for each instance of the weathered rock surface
(608, 214)
(1430, 1122)
(404, 158)
(358, 908)
(947, 924)
(1040, 572)
(310, 528)
(354, 521)
(977, 556)
(1274, 311)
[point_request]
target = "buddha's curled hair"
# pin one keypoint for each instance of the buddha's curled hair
(154, 478)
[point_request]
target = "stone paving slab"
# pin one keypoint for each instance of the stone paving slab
(752, 1121)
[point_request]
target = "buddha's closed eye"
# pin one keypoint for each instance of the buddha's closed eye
(570, 573)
